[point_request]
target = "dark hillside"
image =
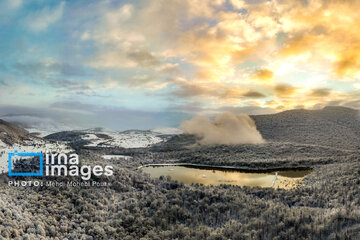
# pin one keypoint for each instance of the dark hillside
(330, 126)
(10, 133)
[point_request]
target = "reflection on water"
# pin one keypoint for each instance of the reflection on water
(187, 175)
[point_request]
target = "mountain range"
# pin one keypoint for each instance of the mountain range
(330, 126)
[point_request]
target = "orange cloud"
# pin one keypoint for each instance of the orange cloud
(216, 49)
(320, 92)
(284, 90)
(263, 75)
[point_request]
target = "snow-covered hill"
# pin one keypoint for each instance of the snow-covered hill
(105, 138)
(125, 140)
(15, 138)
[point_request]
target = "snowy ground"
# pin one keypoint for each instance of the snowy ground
(30, 146)
(108, 157)
(123, 140)
(129, 139)
(2, 144)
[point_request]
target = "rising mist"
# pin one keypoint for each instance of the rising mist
(227, 128)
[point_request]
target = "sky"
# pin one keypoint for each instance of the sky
(143, 64)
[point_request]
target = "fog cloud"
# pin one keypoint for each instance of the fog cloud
(227, 128)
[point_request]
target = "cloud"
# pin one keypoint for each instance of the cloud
(149, 82)
(3, 82)
(210, 51)
(227, 128)
(145, 81)
(268, 54)
(55, 74)
(8, 7)
(235, 92)
(48, 67)
(250, 110)
(189, 89)
(321, 92)
(191, 108)
(143, 58)
(70, 84)
(299, 45)
(301, 37)
(323, 32)
(74, 106)
(36, 68)
(225, 92)
(40, 20)
(117, 118)
(66, 115)
(263, 75)
(197, 108)
(122, 14)
(348, 63)
(113, 58)
(284, 90)
(14, 3)
(254, 94)
(238, 4)
(168, 68)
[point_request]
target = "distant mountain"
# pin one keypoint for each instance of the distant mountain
(330, 126)
(136, 131)
(337, 127)
(167, 130)
(10, 133)
(104, 138)
(40, 125)
(96, 130)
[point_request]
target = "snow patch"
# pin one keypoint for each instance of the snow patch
(2, 144)
(125, 140)
(33, 145)
(89, 137)
(109, 157)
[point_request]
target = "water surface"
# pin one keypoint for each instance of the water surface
(288, 178)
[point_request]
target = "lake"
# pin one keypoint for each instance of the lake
(285, 178)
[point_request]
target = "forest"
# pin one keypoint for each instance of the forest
(136, 206)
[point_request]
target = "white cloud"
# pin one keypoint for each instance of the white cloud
(238, 4)
(42, 19)
(119, 15)
(14, 3)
